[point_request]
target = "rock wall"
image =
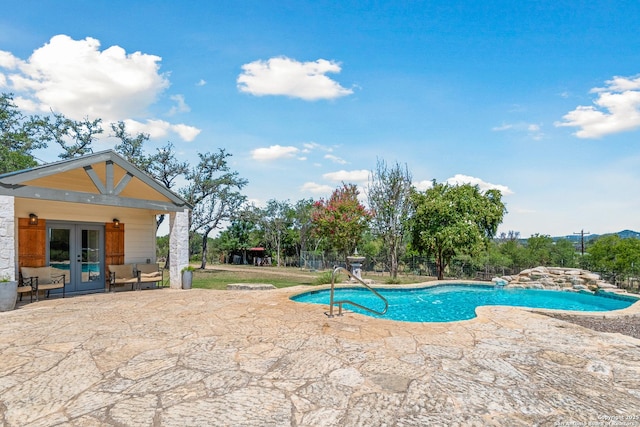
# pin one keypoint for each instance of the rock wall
(7, 238)
(556, 278)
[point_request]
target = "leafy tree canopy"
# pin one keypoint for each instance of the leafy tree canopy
(389, 199)
(615, 255)
(341, 220)
(450, 220)
(19, 136)
(214, 191)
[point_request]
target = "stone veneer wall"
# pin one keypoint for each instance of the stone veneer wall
(178, 247)
(7, 238)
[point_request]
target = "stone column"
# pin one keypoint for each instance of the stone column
(178, 246)
(7, 238)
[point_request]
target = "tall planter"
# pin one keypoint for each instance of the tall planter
(187, 279)
(8, 295)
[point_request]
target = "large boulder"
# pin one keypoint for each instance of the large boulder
(557, 278)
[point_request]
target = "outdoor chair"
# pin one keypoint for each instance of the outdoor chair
(24, 286)
(44, 279)
(150, 273)
(134, 274)
(122, 274)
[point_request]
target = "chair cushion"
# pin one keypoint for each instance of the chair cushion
(25, 288)
(123, 271)
(57, 272)
(154, 274)
(49, 286)
(147, 268)
(42, 273)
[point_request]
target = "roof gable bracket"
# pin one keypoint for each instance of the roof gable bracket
(109, 188)
(123, 183)
(95, 179)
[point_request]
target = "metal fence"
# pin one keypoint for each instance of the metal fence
(414, 265)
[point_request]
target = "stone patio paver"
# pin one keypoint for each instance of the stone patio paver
(236, 358)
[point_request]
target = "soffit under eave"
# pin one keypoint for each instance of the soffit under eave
(88, 174)
(78, 180)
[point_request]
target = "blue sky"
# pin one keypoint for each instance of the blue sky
(540, 99)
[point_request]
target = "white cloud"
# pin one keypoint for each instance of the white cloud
(423, 185)
(502, 127)
(202, 82)
(25, 104)
(8, 61)
(186, 132)
(617, 109)
(155, 128)
(460, 179)
(533, 130)
(335, 159)
(77, 79)
(348, 176)
(180, 107)
(310, 146)
(161, 128)
(288, 77)
(274, 152)
(314, 188)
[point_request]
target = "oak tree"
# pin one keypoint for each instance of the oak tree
(449, 220)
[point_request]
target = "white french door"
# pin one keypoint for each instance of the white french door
(78, 248)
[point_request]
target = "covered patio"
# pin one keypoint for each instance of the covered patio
(84, 214)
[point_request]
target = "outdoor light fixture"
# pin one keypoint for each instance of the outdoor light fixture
(33, 219)
(116, 223)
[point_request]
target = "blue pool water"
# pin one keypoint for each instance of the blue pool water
(447, 303)
(86, 268)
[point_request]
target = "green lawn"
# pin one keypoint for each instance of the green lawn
(219, 276)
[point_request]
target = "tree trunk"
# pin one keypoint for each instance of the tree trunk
(440, 266)
(159, 220)
(278, 251)
(205, 242)
(393, 258)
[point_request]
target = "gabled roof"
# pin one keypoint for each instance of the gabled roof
(103, 178)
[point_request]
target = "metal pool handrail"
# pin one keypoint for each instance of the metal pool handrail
(339, 303)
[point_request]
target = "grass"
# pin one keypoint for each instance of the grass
(219, 276)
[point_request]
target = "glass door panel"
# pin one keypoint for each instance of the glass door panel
(59, 250)
(90, 255)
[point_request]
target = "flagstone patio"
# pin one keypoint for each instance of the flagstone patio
(254, 358)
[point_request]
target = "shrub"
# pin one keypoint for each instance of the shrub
(323, 279)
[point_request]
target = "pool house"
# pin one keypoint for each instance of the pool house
(83, 214)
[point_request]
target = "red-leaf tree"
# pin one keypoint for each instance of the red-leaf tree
(341, 220)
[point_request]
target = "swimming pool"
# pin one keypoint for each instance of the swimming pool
(448, 303)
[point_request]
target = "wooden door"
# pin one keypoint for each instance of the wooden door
(113, 247)
(32, 243)
(114, 243)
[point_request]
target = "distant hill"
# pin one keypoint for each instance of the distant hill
(624, 234)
